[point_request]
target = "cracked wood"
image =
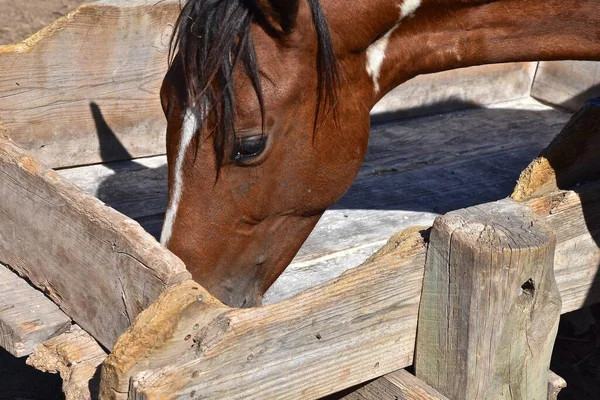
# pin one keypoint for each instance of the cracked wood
(100, 267)
(27, 317)
(490, 305)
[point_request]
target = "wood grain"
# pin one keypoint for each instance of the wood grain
(93, 72)
(321, 341)
(567, 84)
(460, 88)
(77, 357)
(27, 317)
(555, 385)
(100, 267)
(399, 385)
(490, 306)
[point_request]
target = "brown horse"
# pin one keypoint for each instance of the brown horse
(268, 105)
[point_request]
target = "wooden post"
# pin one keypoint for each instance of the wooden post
(490, 305)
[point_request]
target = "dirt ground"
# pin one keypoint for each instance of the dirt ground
(576, 357)
(21, 18)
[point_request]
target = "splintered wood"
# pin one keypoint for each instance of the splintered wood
(490, 305)
(566, 84)
(399, 385)
(27, 317)
(77, 357)
(100, 267)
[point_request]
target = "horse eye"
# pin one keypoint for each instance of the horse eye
(247, 148)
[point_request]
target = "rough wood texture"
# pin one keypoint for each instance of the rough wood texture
(490, 306)
(399, 385)
(76, 356)
(555, 385)
(100, 267)
(567, 84)
(575, 218)
(571, 159)
(97, 70)
(27, 317)
(460, 88)
(319, 342)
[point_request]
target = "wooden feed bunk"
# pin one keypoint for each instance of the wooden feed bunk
(80, 113)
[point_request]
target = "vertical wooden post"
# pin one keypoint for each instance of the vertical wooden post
(490, 305)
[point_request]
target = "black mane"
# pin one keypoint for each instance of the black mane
(211, 37)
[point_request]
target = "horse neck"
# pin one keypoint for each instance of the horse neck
(399, 39)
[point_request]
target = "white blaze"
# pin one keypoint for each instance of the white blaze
(190, 124)
(376, 51)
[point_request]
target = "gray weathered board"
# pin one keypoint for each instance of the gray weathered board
(566, 84)
(27, 317)
(98, 68)
(414, 170)
(97, 265)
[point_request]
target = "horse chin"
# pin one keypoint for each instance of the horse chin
(237, 296)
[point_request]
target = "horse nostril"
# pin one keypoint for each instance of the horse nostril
(261, 259)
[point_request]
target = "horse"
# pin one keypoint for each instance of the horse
(267, 105)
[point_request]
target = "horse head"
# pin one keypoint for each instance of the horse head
(268, 102)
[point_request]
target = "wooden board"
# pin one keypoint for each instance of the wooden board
(567, 84)
(77, 357)
(490, 306)
(456, 89)
(99, 266)
(95, 72)
(399, 385)
(319, 342)
(27, 317)
(575, 217)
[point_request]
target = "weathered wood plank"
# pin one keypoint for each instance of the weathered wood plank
(490, 306)
(570, 160)
(399, 385)
(567, 84)
(27, 317)
(451, 90)
(316, 343)
(575, 217)
(63, 90)
(100, 267)
(77, 357)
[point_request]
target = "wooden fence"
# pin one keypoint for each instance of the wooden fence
(478, 294)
